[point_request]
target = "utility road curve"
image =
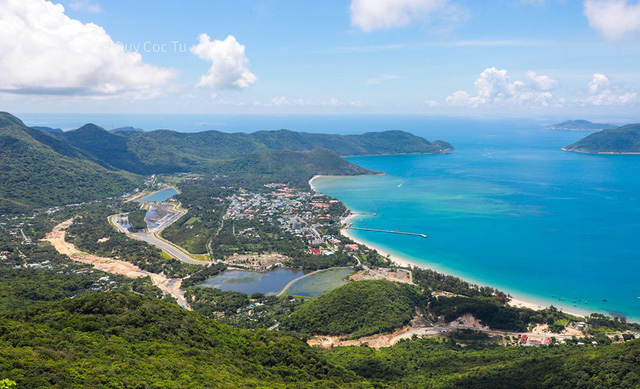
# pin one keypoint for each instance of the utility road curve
(113, 266)
(152, 236)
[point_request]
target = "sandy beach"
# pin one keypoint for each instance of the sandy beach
(404, 262)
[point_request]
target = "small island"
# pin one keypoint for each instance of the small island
(580, 125)
(621, 140)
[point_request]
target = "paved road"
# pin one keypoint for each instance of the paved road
(153, 237)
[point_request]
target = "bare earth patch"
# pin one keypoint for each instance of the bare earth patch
(112, 266)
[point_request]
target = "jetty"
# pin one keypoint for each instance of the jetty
(364, 214)
(388, 231)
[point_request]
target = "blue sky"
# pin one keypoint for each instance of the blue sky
(498, 57)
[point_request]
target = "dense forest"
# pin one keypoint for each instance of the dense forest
(625, 139)
(358, 309)
(120, 339)
(43, 168)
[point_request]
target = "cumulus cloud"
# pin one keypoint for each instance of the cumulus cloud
(229, 64)
(601, 91)
(614, 19)
(495, 87)
(46, 52)
(370, 15)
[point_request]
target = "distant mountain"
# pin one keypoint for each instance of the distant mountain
(370, 143)
(38, 169)
(621, 140)
(42, 168)
(580, 125)
(127, 129)
(48, 129)
(164, 151)
(292, 167)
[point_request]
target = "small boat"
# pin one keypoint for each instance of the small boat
(604, 300)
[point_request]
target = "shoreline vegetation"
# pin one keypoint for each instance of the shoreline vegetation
(401, 261)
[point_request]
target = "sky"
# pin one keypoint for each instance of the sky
(457, 57)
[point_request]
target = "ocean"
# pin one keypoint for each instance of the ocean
(506, 209)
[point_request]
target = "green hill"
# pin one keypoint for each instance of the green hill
(37, 169)
(580, 125)
(44, 168)
(165, 151)
(124, 340)
(621, 140)
(292, 167)
(358, 309)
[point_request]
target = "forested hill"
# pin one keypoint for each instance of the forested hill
(124, 340)
(38, 169)
(165, 151)
(41, 167)
(625, 139)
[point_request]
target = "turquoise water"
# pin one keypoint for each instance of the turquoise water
(159, 196)
(319, 283)
(251, 282)
(509, 209)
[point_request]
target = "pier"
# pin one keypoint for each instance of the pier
(364, 214)
(388, 231)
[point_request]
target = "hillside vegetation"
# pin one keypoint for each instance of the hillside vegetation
(40, 167)
(37, 169)
(625, 139)
(120, 340)
(358, 309)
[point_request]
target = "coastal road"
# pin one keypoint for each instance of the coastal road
(153, 236)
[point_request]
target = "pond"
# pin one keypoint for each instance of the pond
(159, 196)
(249, 282)
(319, 283)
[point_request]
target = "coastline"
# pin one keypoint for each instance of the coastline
(599, 152)
(519, 301)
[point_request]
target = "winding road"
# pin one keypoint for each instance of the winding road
(152, 236)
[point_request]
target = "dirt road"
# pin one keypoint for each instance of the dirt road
(113, 266)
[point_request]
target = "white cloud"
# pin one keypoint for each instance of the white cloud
(85, 6)
(602, 92)
(458, 99)
(230, 65)
(614, 19)
(431, 103)
(540, 82)
(495, 88)
(46, 52)
(370, 15)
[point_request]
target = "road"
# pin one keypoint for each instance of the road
(153, 236)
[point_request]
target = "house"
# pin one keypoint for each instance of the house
(315, 251)
(352, 247)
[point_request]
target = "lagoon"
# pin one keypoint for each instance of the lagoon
(249, 282)
(316, 284)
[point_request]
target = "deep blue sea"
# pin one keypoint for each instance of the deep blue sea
(507, 208)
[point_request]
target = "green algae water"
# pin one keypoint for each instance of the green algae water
(509, 209)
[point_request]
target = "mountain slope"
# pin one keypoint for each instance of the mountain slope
(292, 167)
(126, 340)
(38, 169)
(621, 140)
(165, 151)
(370, 143)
